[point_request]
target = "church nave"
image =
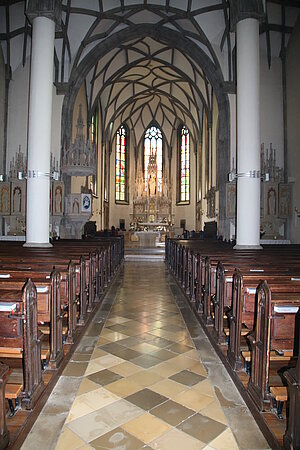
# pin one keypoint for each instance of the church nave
(142, 377)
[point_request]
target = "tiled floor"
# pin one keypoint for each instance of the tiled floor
(144, 378)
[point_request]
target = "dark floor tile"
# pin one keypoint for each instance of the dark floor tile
(104, 377)
(187, 377)
(146, 361)
(179, 348)
(117, 439)
(75, 369)
(146, 399)
(163, 354)
(117, 327)
(160, 342)
(172, 412)
(130, 341)
(202, 428)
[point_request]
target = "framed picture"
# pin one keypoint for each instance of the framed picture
(284, 200)
(230, 200)
(5, 198)
(86, 203)
(271, 199)
(57, 198)
(18, 197)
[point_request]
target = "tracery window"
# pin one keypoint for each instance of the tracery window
(153, 148)
(121, 165)
(184, 166)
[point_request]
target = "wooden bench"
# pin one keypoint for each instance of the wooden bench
(19, 335)
(4, 434)
(292, 376)
(277, 316)
(49, 308)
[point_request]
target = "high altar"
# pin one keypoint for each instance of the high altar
(152, 206)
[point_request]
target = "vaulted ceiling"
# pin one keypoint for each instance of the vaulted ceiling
(138, 77)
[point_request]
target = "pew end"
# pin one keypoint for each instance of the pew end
(279, 395)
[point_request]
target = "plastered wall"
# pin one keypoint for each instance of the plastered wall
(293, 127)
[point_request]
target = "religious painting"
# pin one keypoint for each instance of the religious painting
(285, 200)
(5, 198)
(230, 200)
(57, 198)
(18, 197)
(86, 203)
(271, 199)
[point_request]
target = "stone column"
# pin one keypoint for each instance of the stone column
(244, 18)
(39, 123)
(248, 134)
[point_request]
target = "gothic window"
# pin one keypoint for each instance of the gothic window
(94, 128)
(153, 155)
(121, 165)
(184, 166)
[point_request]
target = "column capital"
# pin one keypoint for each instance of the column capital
(51, 9)
(245, 9)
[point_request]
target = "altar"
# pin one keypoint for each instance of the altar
(147, 238)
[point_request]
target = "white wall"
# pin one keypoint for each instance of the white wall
(56, 124)
(293, 126)
(271, 107)
(17, 112)
(2, 107)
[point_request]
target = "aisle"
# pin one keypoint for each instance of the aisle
(138, 382)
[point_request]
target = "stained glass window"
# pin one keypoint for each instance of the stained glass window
(153, 151)
(121, 164)
(184, 178)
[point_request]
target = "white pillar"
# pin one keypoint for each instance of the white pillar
(39, 132)
(248, 135)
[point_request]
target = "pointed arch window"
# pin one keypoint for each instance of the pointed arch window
(121, 165)
(153, 154)
(184, 166)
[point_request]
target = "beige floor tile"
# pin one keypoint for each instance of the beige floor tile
(145, 378)
(169, 388)
(102, 340)
(123, 387)
(114, 336)
(205, 387)
(182, 363)
(98, 353)
(165, 369)
(104, 362)
(126, 369)
(225, 441)
(192, 354)
(177, 440)
(116, 319)
(144, 348)
(193, 399)
(69, 440)
(90, 402)
(214, 411)
(146, 427)
(86, 385)
(199, 368)
(97, 423)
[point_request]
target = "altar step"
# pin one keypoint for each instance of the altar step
(144, 254)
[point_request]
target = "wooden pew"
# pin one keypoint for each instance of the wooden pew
(19, 334)
(276, 317)
(4, 434)
(49, 309)
(243, 307)
(292, 435)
